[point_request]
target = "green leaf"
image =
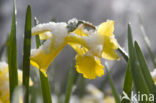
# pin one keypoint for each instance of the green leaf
(145, 70)
(123, 53)
(46, 92)
(105, 78)
(71, 78)
(147, 41)
(26, 53)
(137, 76)
(115, 94)
(127, 88)
(12, 55)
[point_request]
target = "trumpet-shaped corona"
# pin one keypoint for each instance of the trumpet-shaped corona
(89, 66)
(96, 96)
(153, 74)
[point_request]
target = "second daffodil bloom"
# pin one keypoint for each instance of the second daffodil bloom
(153, 74)
(91, 46)
(4, 82)
(96, 96)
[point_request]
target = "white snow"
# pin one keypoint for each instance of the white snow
(58, 31)
(153, 73)
(74, 20)
(3, 65)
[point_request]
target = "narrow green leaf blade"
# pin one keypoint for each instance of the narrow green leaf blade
(127, 88)
(145, 69)
(137, 76)
(12, 55)
(123, 53)
(147, 41)
(115, 94)
(26, 53)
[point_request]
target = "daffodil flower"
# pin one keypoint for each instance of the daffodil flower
(4, 82)
(55, 34)
(89, 66)
(96, 96)
(153, 74)
(91, 46)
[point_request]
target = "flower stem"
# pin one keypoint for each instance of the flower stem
(46, 93)
(71, 78)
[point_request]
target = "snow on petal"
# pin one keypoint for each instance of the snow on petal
(46, 53)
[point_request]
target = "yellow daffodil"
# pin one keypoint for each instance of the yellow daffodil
(110, 44)
(45, 36)
(153, 74)
(46, 53)
(108, 99)
(4, 82)
(98, 44)
(96, 96)
(83, 62)
(91, 46)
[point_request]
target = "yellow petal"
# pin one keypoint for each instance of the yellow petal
(110, 42)
(78, 48)
(45, 36)
(41, 58)
(106, 28)
(76, 40)
(1, 101)
(4, 82)
(109, 100)
(39, 32)
(110, 54)
(109, 47)
(80, 32)
(89, 66)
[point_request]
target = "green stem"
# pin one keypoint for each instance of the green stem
(82, 86)
(114, 92)
(46, 92)
(71, 79)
